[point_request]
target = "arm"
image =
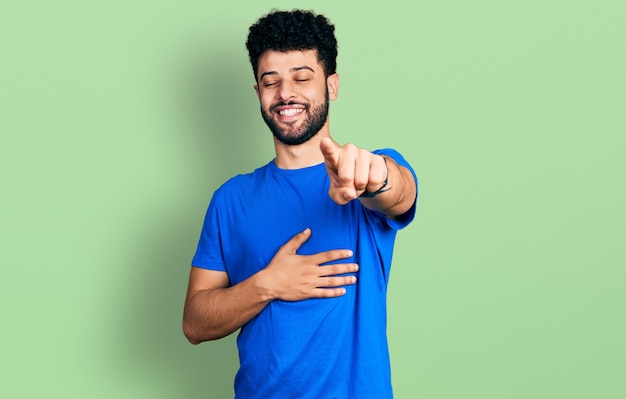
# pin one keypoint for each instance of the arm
(354, 171)
(214, 308)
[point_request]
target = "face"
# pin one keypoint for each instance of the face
(294, 94)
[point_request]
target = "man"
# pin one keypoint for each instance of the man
(297, 254)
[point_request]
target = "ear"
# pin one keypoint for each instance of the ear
(258, 94)
(332, 82)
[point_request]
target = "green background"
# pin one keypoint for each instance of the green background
(119, 119)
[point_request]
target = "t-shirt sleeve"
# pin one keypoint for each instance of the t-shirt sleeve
(407, 217)
(209, 253)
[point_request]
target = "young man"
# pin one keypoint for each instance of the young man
(297, 254)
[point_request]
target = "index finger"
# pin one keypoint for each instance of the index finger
(329, 256)
(330, 150)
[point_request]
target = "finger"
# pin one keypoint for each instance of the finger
(330, 150)
(328, 292)
(329, 256)
(337, 268)
(362, 171)
(378, 173)
(296, 242)
(345, 170)
(336, 281)
(347, 161)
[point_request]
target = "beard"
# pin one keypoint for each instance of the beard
(292, 135)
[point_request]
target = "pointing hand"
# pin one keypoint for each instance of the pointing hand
(351, 170)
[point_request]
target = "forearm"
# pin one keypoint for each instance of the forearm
(215, 313)
(214, 309)
(400, 192)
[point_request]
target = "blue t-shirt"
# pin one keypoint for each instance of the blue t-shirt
(316, 348)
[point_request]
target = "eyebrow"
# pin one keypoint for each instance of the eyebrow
(294, 69)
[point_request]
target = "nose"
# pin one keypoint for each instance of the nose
(286, 91)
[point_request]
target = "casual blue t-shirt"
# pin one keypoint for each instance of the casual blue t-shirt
(316, 348)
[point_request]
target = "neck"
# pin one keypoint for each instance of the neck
(300, 156)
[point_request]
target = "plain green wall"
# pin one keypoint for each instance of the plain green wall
(119, 119)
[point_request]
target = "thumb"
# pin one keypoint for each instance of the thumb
(296, 241)
(330, 150)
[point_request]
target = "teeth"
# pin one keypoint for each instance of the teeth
(290, 112)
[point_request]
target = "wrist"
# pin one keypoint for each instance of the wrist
(263, 289)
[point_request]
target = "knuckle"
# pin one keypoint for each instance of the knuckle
(360, 182)
(332, 292)
(341, 268)
(350, 148)
(337, 254)
(325, 257)
(334, 255)
(326, 293)
(344, 177)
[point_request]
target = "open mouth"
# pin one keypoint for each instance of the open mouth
(287, 112)
(290, 111)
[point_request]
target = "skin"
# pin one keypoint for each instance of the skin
(295, 79)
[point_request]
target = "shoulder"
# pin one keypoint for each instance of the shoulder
(243, 180)
(240, 186)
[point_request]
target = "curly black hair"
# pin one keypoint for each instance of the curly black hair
(293, 30)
